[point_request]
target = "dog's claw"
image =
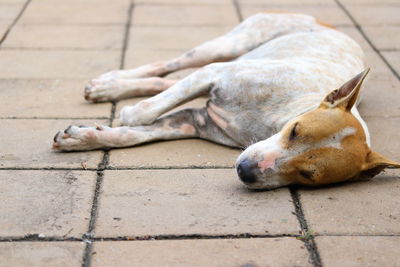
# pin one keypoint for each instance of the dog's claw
(68, 128)
(56, 136)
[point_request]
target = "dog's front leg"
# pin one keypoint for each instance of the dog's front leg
(188, 123)
(196, 84)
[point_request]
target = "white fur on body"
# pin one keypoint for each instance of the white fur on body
(285, 65)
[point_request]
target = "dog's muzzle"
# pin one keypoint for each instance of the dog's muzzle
(246, 170)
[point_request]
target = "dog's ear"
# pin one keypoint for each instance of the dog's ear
(346, 96)
(375, 163)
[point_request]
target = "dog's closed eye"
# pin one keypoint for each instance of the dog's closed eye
(293, 132)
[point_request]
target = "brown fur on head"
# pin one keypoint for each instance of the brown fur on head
(323, 146)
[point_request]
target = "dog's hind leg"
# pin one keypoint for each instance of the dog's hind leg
(188, 123)
(117, 89)
(246, 36)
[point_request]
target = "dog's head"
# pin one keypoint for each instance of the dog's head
(323, 146)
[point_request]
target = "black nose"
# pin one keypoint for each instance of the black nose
(246, 170)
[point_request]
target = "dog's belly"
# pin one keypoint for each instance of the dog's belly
(256, 95)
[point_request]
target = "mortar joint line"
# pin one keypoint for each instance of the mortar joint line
(310, 244)
(88, 237)
(237, 9)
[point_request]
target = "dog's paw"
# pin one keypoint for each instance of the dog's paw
(103, 90)
(77, 138)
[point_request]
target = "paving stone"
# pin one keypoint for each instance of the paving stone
(48, 99)
(287, 2)
(14, 2)
(3, 28)
(379, 96)
(9, 11)
(179, 153)
(375, 14)
(328, 14)
(184, 15)
(384, 37)
(66, 12)
(176, 154)
(378, 66)
(384, 135)
(356, 36)
(360, 208)
(217, 252)
(359, 250)
(184, 2)
(27, 144)
(65, 36)
(393, 58)
(368, 2)
(179, 38)
(45, 203)
(41, 254)
(42, 64)
(137, 57)
(189, 201)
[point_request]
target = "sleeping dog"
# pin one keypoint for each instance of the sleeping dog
(285, 86)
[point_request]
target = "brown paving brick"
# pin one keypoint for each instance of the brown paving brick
(48, 99)
(185, 15)
(180, 153)
(375, 14)
(60, 12)
(380, 96)
(393, 58)
(184, 202)
(179, 38)
(43, 64)
(27, 143)
(41, 254)
(328, 14)
(220, 252)
(46, 203)
(354, 208)
(66, 36)
(384, 37)
(359, 250)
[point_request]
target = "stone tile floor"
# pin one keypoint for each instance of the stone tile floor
(175, 203)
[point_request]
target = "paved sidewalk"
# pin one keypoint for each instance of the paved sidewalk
(176, 203)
